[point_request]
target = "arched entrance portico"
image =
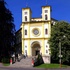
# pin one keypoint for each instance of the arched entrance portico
(35, 48)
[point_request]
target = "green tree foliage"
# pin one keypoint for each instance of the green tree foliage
(61, 30)
(7, 31)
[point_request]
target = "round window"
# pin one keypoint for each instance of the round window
(36, 31)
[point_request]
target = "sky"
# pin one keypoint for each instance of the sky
(60, 9)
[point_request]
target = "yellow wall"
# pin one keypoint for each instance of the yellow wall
(22, 38)
(29, 39)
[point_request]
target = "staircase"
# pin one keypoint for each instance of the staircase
(26, 61)
(23, 63)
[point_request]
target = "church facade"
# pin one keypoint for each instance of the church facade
(34, 33)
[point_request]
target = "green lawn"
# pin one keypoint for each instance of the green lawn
(51, 66)
(6, 64)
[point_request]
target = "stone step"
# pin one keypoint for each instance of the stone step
(23, 63)
(26, 61)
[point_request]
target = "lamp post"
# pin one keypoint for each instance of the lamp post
(60, 55)
(60, 52)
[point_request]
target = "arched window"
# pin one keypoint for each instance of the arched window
(25, 18)
(45, 17)
(46, 46)
(46, 51)
(25, 32)
(46, 31)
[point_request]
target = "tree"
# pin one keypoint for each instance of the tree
(7, 31)
(59, 30)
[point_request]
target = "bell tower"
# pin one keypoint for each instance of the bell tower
(26, 14)
(46, 13)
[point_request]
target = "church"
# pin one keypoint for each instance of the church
(34, 33)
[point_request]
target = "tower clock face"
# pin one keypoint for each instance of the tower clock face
(36, 31)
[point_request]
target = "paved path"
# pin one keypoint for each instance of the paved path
(1, 65)
(9, 68)
(24, 63)
(27, 68)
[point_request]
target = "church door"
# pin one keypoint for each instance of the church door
(37, 52)
(35, 48)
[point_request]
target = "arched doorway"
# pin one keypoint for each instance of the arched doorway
(35, 48)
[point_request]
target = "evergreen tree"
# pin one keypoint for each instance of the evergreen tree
(7, 31)
(60, 31)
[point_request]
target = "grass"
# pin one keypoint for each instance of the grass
(51, 66)
(6, 64)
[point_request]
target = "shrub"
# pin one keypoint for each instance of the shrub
(5, 60)
(38, 60)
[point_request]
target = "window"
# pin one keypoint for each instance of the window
(46, 51)
(46, 31)
(25, 13)
(25, 32)
(25, 18)
(25, 51)
(36, 31)
(25, 46)
(46, 46)
(45, 17)
(46, 11)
